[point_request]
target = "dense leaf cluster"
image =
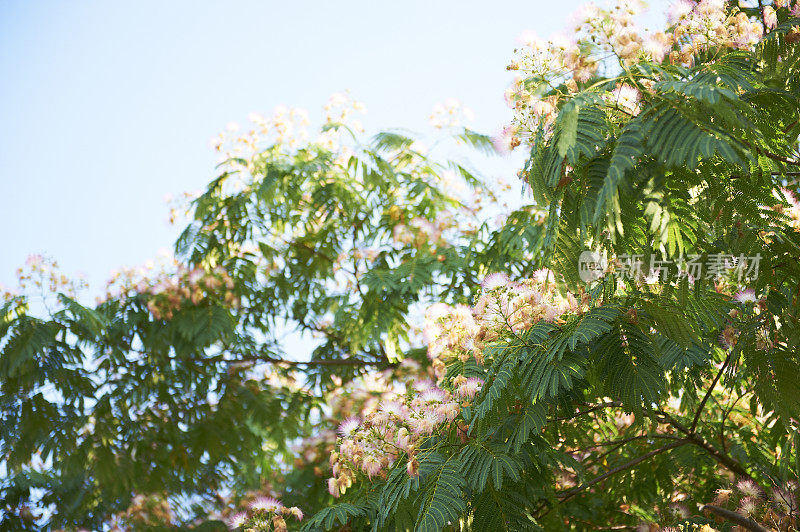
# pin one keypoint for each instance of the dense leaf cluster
(644, 408)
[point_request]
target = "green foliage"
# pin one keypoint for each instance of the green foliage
(605, 417)
(333, 516)
(650, 374)
(443, 501)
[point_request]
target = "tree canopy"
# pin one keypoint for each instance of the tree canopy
(623, 350)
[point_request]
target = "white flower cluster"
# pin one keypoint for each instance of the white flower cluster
(374, 444)
(503, 307)
(264, 513)
(605, 36)
(793, 212)
(451, 114)
(287, 129)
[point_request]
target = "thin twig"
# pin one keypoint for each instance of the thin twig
(625, 440)
(698, 440)
(627, 465)
(610, 404)
(710, 390)
(733, 517)
(335, 362)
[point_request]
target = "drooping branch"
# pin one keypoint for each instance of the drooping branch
(770, 155)
(623, 441)
(592, 408)
(735, 518)
(627, 465)
(710, 391)
(698, 440)
(239, 357)
(333, 362)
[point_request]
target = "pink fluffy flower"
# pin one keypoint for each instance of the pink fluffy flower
(680, 10)
(434, 395)
(448, 411)
(470, 388)
(494, 280)
(426, 423)
(770, 17)
(503, 142)
(746, 296)
(543, 276)
(349, 426)
(393, 408)
(424, 385)
(266, 504)
(237, 520)
(748, 488)
(34, 260)
(333, 489)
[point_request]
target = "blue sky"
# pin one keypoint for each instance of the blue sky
(106, 107)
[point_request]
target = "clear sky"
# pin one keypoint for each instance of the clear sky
(106, 107)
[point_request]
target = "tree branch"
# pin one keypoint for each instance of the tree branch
(698, 440)
(710, 390)
(733, 517)
(623, 441)
(627, 465)
(334, 362)
(593, 408)
(770, 155)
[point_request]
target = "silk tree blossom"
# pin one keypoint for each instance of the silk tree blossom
(237, 520)
(679, 10)
(262, 512)
(241, 150)
(402, 234)
(748, 506)
(793, 211)
(746, 296)
(422, 233)
(770, 17)
(348, 426)
(42, 273)
(433, 395)
(426, 423)
(426, 228)
(532, 41)
(393, 431)
(174, 286)
(656, 46)
(296, 512)
(709, 24)
(505, 141)
(550, 67)
(286, 128)
(451, 114)
(494, 281)
(394, 409)
(450, 330)
(502, 307)
(467, 388)
(748, 488)
(423, 385)
(266, 504)
(625, 98)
